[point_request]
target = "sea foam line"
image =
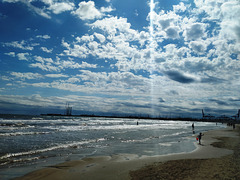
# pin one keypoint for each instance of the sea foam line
(22, 133)
(62, 146)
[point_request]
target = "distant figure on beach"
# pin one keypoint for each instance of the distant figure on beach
(193, 128)
(200, 137)
(137, 122)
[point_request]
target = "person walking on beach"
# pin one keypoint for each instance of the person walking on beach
(200, 137)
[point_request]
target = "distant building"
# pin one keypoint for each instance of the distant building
(68, 110)
(222, 117)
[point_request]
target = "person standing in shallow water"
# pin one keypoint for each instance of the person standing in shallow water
(200, 137)
(193, 128)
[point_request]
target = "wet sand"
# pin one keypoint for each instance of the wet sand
(216, 158)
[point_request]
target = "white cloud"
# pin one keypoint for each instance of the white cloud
(78, 51)
(87, 11)
(195, 31)
(46, 50)
(58, 8)
(225, 13)
(43, 36)
(12, 54)
(172, 32)
(56, 75)
(48, 2)
(33, 8)
(28, 75)
(100, 37)
(42, 60)
(179, 8)
(73, 80)
(11, 1)
(106, 9)
(42, 85)
(165, 23)
(87, 65)
(21, 45)
(44, 67)
(230, 24)
(74, 65)
(114, 80)
(23, 56)
(85, 38)
(93, 46)
(114, 25)
(55, 7)
(199, 47)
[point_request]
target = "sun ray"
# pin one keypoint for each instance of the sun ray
(151, 30)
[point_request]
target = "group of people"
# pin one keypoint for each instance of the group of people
(231, 124)
(199, 137)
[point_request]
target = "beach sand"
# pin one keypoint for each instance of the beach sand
(217, 158)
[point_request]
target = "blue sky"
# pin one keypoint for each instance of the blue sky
(157, 57)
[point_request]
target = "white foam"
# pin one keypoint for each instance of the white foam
(22, 133)
(60, 146)
(165, 144)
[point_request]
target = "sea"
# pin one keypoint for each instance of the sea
(28, 144)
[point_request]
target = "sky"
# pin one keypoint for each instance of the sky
(130, 57)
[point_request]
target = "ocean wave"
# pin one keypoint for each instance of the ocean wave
(15, 157)
(22, 133)
(153, 137)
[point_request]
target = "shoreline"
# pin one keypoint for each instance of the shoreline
(120, 166)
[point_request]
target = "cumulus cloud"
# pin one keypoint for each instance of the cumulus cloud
(12, 54)
(172, 32)
(74, 65)
(198, 47)
(56, 75)
(33, 8)
(100, 37)
(114, 25)
(55, 7)
(184, 49)
(23, 56)
(226, 13)
(43, 36)
(87, 11)
(165, 23)
(44, 66)
(180, 7)
(44, 49)
(58, 8)
(43, 60)
(106, 9)
(21, 45)
(73, 80)
(114, 44)
(195, 31)
(28, 75)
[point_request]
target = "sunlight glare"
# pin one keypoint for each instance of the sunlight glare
(151, 29)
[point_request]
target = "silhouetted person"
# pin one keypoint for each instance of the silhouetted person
(200, 137)
(193, 126)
